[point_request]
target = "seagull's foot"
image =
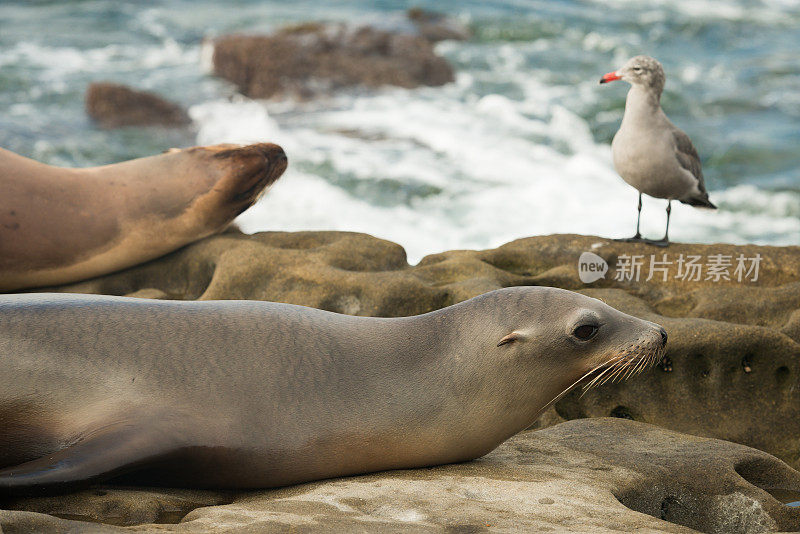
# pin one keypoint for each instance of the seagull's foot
(660, 243)
(639, 239)
(635, 239)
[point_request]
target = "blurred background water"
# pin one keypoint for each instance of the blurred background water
(517, 146)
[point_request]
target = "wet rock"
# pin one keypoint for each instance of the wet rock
(717, 329)
(598, 475)
(437, 27)
(113, 106)
(316, 59)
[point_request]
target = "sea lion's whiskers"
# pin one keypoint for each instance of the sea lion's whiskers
(623, 370)
(646, 362)
(631, 371)
(604, 379)
(619, 368)
(627, 365)
(592, 370)
(618, 365)
(643, 364)
(588, 386)
(564, 392)
(583, 376)
(618, 373)
(612, 361)
(634, 369)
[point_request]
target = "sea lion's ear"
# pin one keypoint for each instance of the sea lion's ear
(513, 336)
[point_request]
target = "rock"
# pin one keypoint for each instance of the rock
(112, 505)
(315, 59)
(589, 475)
(732, 368)
(437, 27)
(115, 106)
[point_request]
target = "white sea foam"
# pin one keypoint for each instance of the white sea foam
(765, 11)
(55, 64)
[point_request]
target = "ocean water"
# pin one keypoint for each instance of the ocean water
(518, 145)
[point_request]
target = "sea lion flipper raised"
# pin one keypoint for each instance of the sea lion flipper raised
(61, 225)
(113, 452)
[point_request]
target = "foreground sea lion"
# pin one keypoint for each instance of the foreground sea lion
(248, 394)
(61, 225)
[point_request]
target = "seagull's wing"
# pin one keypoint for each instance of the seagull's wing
(687, 156)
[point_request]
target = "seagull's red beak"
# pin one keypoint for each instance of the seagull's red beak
(610, 77)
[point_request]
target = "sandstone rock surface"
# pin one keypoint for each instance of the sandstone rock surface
(732, 371)
(589, 475)
(113, 106)
(316, 59)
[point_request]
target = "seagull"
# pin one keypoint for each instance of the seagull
(650, 153)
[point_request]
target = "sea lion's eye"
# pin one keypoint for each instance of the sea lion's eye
(585, 332)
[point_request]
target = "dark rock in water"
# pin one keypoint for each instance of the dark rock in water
(732, 369)
(590, 475)
(114, 106)
(316, 59)
(437, 27)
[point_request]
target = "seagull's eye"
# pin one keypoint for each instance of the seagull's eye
(585, 332)
(637, 69)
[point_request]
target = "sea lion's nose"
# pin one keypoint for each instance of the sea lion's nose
(663, 337)
(273, 152)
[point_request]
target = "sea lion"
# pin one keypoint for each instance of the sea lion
(62, 225)
(249, 394)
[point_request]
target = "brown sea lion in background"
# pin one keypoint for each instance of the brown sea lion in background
(60, 225)
(251, 394)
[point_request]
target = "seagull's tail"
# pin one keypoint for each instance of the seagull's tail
(699, 202)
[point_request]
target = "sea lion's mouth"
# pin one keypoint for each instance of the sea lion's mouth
(620, 367)
(623, 365)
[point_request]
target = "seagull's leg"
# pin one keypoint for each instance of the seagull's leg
(638, 237)
(638, 217)
(664, 242)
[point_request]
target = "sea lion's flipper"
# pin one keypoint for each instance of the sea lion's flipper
(113, 451)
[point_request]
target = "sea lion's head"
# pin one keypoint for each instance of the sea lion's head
(550, 340)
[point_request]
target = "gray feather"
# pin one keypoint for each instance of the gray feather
(690, 160)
